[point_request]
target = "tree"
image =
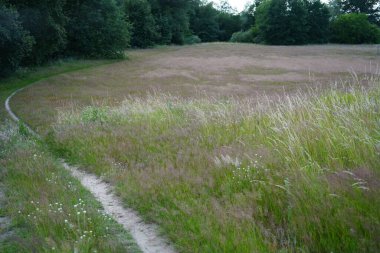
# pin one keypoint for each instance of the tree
(282, 22)
(172, 20)
(229, 23)
(297, 23)
(45, 21)
(248, 17)
(291, 22)
(369, 7)
(204, 23)
(317, 21)
(97, 28)
(354, 28)
(15, 42)
(144, 31)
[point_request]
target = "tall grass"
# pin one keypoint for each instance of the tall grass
(47, 209)
(297, 173)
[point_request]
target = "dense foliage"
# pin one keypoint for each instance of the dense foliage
(354, 29)
(144, 30)
(97, 28)
(369, 7)
(15, 42)
(37, 31)
(290, 22)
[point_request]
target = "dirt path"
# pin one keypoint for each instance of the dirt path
(145, 235)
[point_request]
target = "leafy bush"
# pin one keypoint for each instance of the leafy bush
(15, 42)
(243, 36)
(354, 28)
(192, 39)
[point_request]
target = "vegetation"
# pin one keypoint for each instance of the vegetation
(354, 29)
(144, 30)
(237, 175)
(65, 218)
(289, 22)
(48, 30)
(97, 29)
(369, 7)
(217, 173)
(15, 42)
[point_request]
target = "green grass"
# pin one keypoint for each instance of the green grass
(49, 210)
(43, 208)
(297, 175)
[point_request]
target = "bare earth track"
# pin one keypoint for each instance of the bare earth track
(145, 235)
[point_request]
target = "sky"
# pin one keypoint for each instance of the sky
(240, 4)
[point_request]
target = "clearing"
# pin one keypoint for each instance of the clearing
(229, 147)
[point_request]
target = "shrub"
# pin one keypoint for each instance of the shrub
(192, 39)
(354, 28)
(243, 36)
(15, 42)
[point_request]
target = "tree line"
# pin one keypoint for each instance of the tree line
(296, 22)
(33, 32)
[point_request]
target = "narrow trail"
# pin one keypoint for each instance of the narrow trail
(145, 235)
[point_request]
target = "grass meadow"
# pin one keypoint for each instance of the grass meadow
(43, 208)
(227, 147)
(297, 174)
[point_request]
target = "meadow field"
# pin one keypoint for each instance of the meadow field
(216, 69)
(228, 147)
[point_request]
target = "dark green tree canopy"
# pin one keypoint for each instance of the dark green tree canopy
(36, 31)
(204, 22)
(369, 7)
(354, 28)
(15, 41)
(97, 28)
(45, 21)
(292, 22)
(282, 22)
(317, 21)
(144, 30)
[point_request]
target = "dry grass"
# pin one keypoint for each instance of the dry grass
(237, 175)
(235, 160)
(217, 69)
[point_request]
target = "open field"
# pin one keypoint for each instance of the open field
(218, 69)
(197, 140)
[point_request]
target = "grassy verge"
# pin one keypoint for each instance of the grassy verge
(48, 210)
(301, 174)
(43, 208)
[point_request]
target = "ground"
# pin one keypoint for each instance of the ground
(216, 69)
(248, 154)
